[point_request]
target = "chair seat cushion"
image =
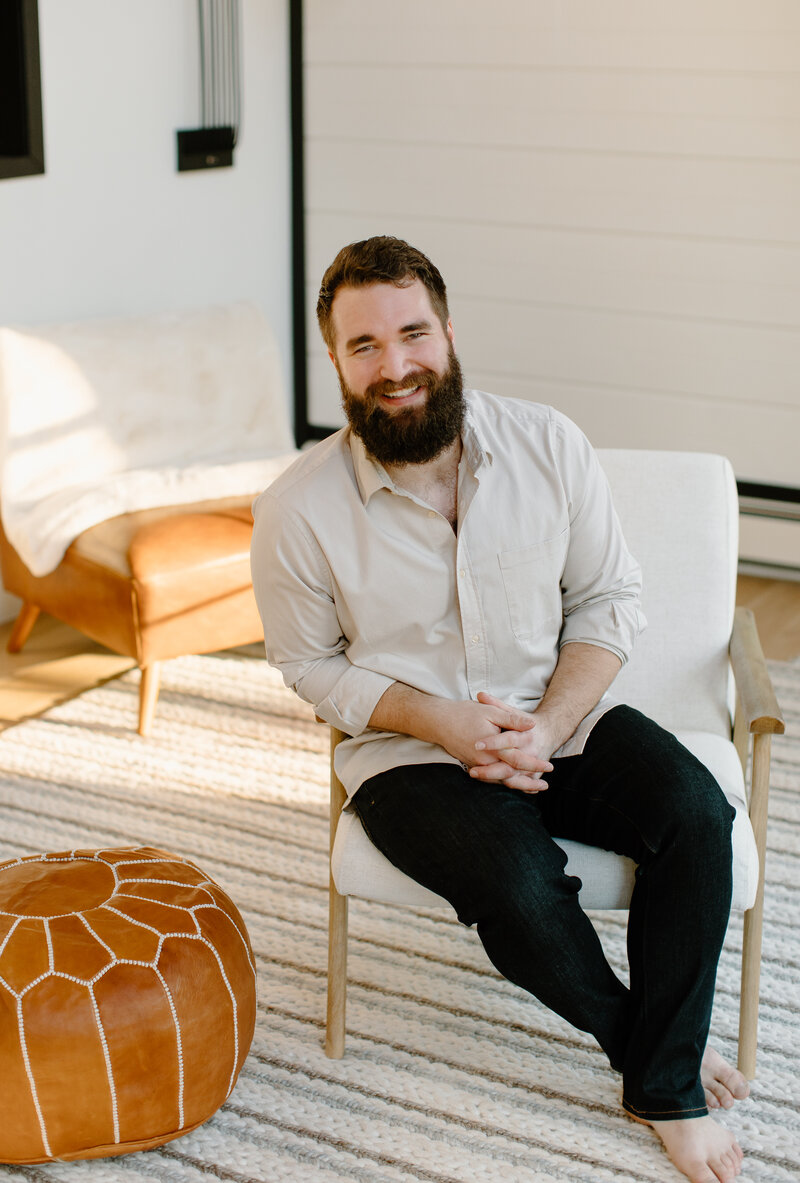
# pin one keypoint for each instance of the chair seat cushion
(149, 538)
(127, 1002)
(183, 573)
(359, 868)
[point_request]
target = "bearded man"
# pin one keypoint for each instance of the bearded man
(445, 580)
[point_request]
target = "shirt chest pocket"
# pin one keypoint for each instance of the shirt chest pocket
(532, 583)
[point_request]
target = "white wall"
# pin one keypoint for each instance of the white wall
(111, 227)
(611, 190)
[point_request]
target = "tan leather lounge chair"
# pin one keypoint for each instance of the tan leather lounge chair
(130, 452)
(150, 585)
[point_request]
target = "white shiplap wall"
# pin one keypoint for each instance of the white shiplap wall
(611, 189)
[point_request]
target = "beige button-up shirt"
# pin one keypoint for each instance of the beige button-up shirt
(361, 584)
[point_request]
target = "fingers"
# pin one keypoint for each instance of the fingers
(512, 719)
(497, 770)
(508, 747)
(520, 742)
(496, 743)
(525, 785)
(513, 778)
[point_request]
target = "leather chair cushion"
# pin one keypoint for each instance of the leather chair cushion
(150, 535)
(127, 1002)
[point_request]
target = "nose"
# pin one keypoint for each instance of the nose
(395, 363)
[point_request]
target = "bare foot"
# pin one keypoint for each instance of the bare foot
(723, 1083)
(703, 1150)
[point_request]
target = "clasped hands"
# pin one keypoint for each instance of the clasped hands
(496, 742)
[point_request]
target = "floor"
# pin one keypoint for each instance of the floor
(58, 663)
(776, 604)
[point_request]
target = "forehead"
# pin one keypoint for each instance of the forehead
(379, 309)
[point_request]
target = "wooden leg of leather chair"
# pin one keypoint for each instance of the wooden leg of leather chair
(337, 931)
(148, 695)
(753, 920)
(27, 618)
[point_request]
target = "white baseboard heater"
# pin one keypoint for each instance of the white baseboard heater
(769, 530)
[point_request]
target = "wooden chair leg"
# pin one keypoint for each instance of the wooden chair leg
(337, 930)
(337, 975)
(148, 695)
(27, 618)
(753, 920)
(748, 1004)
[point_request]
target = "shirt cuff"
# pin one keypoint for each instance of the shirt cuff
(611, 625)
(350, 703)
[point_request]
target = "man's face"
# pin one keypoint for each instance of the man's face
(399, 376)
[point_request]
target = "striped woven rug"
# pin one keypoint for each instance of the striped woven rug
(451, 1074)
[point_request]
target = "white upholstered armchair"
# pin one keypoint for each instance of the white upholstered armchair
(698, 670)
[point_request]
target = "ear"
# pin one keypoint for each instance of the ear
(332, 356)
(451, 336)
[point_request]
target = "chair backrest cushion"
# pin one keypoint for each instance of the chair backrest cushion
(679, 512)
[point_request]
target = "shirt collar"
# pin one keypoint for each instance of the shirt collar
(372, 476)
(474, 436)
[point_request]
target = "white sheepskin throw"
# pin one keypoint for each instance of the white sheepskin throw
(104, 417)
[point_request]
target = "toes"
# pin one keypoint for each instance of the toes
(722, 1081)
(729, 1165)
(702, 1150)
(733, 1081)
(717, 1095)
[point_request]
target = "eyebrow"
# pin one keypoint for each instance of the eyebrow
(365, 338)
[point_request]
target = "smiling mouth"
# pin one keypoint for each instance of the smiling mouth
(402, 395)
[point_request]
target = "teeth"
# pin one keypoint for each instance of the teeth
(401, 393)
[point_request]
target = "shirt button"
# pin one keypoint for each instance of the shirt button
(461, 572)
(475, 638)
(431, 513)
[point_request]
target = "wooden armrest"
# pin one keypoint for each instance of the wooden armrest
(753, 684)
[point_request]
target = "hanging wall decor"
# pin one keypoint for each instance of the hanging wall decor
(211, 145)
(21, 136)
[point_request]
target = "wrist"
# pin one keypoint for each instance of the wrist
(433, 719)
(553, 726)
(410, 712)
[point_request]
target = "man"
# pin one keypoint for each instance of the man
(446, 581)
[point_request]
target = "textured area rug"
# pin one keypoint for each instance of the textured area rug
(451, 1074)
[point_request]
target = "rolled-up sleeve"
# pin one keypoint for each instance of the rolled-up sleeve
(302, 632)
(602, 582)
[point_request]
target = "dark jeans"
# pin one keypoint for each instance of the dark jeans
(489, 850)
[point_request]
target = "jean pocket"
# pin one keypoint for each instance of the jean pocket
(532, 582)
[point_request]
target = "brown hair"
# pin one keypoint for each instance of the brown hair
(378, 260)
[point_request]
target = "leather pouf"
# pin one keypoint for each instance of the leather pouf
(127, 1002)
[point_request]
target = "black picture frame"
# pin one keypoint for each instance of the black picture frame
(21, 129)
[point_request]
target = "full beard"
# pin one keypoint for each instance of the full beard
(410, 435)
